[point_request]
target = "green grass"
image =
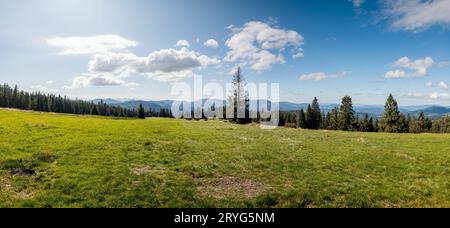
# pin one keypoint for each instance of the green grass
(81, 161)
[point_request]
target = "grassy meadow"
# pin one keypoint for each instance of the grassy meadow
(56, 160)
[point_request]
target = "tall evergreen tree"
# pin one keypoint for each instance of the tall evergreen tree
(346, 114)
(94, 111)
(301, 119)
(364, 124)
(141, 112)
(372, 127)
(238, 101)
(313, 115)
(390, 122)
(333, 123)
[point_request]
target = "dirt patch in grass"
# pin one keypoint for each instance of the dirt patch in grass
(20, 167)
(230, 187)
(22, 172)
(6, 186)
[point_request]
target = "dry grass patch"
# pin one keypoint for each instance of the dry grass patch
(144, 170)
(231, 187)
(6, 186)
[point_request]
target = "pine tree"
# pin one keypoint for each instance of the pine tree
(346, 114)
(403, 124)
(302, 119)
(313, 115)
(364, 124)
(317, 120)
(310, 117)
(333, 123)
(376, 125)
(372, 127)
(239, 99)
(391, 118)
(94, 111)
(141, 112)
(422, 123)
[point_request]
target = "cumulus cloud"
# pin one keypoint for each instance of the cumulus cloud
(416, 15)
(163, 65)
(410, 69)
(91, 44)
(183, 43)
(260, 45)
(111, 61)
(320, 76)
(211, 43)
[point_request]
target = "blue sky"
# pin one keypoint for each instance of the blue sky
(128, 48)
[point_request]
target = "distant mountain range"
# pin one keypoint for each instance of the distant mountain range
(376, 111)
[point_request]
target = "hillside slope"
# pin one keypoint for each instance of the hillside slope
(54, 160)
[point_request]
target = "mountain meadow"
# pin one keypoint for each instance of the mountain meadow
(64, 160)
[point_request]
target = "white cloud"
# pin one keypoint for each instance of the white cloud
(91, 45)
(395, 74)
(183, 43)
(319, 76)
(415, 69)
(44, 89)
(298, 54)
(49, 82)
(100, 79)
(416, 15)
(112, 62)
(357, 3)
(432, 96)
(260, 45)
(443, 85)
(211, 43)
(163, 65)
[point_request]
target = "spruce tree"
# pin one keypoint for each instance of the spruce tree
(334, 119)
(238, 98)
(423, 123)
(364, 124)
(317, 120)
(313, 115)
(391, 117)
(141, 112)
(372, 127)
(302, 119)
(94, 111)
(346, 114)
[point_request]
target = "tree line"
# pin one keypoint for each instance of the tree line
(37, 101)
(345, 118)
(339, 118)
